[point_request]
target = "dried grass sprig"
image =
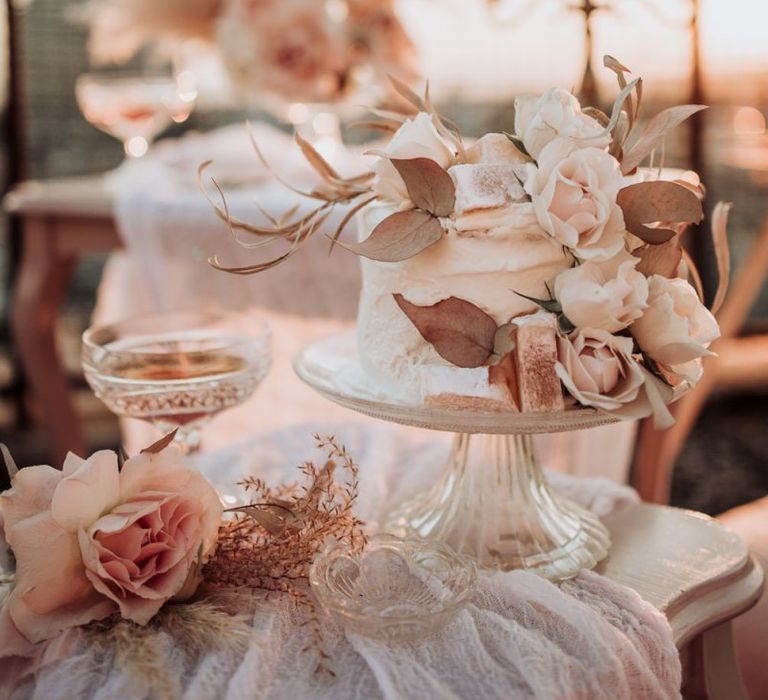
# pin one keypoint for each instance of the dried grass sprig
(271, 543)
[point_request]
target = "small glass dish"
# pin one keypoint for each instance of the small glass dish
(395, 589)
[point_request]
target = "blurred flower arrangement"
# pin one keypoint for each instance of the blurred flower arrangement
(631, 328)
(115, 541)
(297, 50)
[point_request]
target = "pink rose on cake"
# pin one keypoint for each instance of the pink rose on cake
(416, 138)
(574, 196)
(93, 539)
(555, 114)
(606, 294)
(676, 328)
(597, 368)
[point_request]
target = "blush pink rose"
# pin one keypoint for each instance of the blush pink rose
(574, 196)
(556, 114)
(598, 369)
(607, 294)
(91, 540)
(676, 327)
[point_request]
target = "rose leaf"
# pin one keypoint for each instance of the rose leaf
(429, 186)
(658, 202)
(161, 444)
(662, 259)
(398, 237)
(653, 134)
(459, 331)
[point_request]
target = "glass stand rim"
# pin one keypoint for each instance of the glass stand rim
(493, 501)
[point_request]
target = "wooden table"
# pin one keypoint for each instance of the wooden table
(699, 575)
(61, 221)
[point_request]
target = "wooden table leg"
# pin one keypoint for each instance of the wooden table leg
(712, 670)
(42, 281)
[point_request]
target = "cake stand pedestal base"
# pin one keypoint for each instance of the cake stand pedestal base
(494, 504)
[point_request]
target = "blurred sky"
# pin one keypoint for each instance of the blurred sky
(529, 45)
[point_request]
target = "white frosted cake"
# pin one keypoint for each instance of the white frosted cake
(492, 249)
(530, 271)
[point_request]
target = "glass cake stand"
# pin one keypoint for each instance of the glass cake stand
(492, 501)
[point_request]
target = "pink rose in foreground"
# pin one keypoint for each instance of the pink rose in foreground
(676, 327)
(574, 196)
(91, 540)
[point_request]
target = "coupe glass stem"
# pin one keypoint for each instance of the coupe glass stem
(494, 504)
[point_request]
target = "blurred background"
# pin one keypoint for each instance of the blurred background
(477, 55)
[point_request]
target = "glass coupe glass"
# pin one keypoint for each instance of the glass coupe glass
(135, 107)
(177, 370)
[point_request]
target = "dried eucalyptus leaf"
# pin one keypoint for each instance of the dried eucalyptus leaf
(320, 164)
(662, 259)
(9, 463)
(407, 94)
(722, 253)
(654, 132)
(504, 373)
(459, 331)
(398, 237)
(161, 444)
(619, 103)
(654, 203)
(429, 186)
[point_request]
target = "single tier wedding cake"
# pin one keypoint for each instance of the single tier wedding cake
(529, 271)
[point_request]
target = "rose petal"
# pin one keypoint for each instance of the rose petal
(52, 592)
(86, 493)
(30, 493)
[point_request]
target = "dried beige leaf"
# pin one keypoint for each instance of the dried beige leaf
(653, 134)
(658, 202)
(320, 164)
(722, 253)
(8, 461)
(429, 186)
(662, 259)
(161, 444)
(407, 94)
(399, 237)
(459, 331)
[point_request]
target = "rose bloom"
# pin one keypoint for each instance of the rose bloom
(574, 196)
(555, 114)
(91, 540)
(597, 368)
(416, 138)
(676, 328)
(606, 294)
(287, 49)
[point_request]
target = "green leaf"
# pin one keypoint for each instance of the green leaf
(399, 237)
(429, 186)
(459, 331)
(551, 305)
